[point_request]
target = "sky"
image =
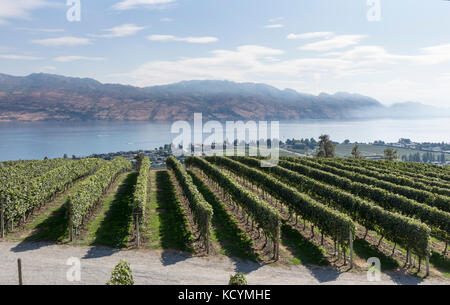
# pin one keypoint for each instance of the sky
(394, 51)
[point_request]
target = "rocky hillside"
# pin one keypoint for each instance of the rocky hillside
(53, 97)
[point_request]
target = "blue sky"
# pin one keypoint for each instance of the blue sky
(311, 46)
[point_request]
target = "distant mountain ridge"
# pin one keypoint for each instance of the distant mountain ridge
(53, 97)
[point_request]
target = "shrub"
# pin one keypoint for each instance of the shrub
(121, 275)
(238, 279)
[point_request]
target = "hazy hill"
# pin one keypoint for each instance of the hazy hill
(53, 97)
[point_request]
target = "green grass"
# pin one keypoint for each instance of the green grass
(441, 263)
(226, 232)
(113, 223)
(51, 225)
(150, 233)
(302, 249)
(167, 226)
(365, 250)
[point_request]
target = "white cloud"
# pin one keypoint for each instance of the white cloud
(435, 54)
(370, 55)
(132, 4)
(274, 26)
(13, 9)
(246, 63)
(166, 19)
(310, 35)
(262, 64)
(67, 41)
(42, 30)
(337, 42)
(74, 58)
(166, 38)
(18, 57)
(121, 31)
(276, 19)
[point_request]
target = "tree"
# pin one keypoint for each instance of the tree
(326, 147)
(347, 141)
(312, 143)
(356, 153)
(390, 154)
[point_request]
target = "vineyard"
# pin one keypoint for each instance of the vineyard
(312, 211)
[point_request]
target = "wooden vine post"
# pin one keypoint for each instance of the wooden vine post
(19, 269)
(351, 248)
(427, 260)
(71, 233)
(277, 246)
(138, 241)
(207, 242)
(2, 217)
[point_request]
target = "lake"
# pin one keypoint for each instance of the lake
(23, 140)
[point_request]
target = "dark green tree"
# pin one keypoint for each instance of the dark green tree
(326, 147)
(390, 154)
(356, 154)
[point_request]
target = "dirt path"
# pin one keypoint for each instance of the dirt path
(45, 263)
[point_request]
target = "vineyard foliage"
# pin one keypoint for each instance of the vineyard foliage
(405, 231)
(438, 219)
(265, 216)
(405, 203)
(439, 201)
(141, 188)
(392, 170)
(201, 209)
(33, 184)
(85, 195)
(393, 178)
(329, 221)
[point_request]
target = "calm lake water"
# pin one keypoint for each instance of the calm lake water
(54, 139)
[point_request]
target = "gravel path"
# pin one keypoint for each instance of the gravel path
(45, 263)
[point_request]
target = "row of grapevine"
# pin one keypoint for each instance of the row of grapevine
(329, 221)
(201, 210)
(405, 231)
(394, 171)
(87, 194)
(13, 163)
(434, 171)
(228, 222)
(426, 167)
(22, 197)
(141, 188)
(265, 216)
(26, 170)
(438, 201)
(396, 179)
(439, 220)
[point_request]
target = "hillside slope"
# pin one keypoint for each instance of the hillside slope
(53, 97)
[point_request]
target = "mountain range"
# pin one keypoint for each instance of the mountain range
(41, 96)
